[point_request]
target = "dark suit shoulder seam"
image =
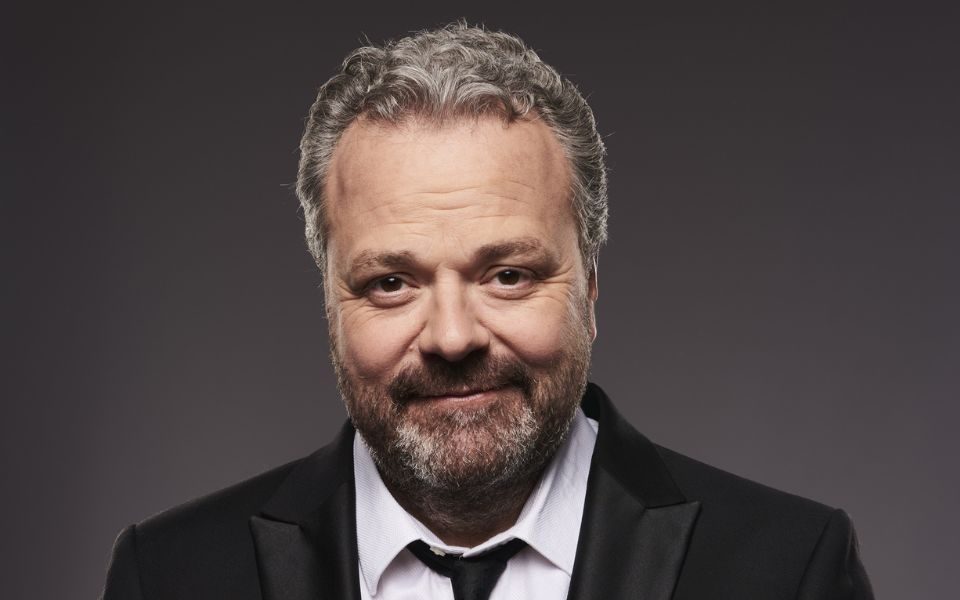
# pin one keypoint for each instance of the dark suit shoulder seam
(136, 559)
(742, 482)
(816, 548)
(278, 473)
(667, 472)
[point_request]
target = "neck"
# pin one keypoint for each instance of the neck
(465, 517)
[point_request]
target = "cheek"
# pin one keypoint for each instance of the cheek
(540, 336)
(372, 347)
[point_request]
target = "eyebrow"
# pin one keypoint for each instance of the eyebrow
(507, 248)
(522, 246)
(371, 259)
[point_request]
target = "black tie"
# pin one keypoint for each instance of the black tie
(472, 577)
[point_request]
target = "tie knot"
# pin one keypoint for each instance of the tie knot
(472, 577)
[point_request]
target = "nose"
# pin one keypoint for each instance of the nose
(452, 331)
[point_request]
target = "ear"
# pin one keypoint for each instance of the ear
(593, 292)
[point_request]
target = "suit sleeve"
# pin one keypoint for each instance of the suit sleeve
(123, 576)
(835, 571)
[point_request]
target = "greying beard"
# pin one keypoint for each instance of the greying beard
(424, 452)
(461, 466)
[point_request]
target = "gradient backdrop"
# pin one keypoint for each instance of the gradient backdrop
(779, 295)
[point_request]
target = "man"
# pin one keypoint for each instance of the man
(455, 200)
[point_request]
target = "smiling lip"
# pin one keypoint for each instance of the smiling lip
(465, 396)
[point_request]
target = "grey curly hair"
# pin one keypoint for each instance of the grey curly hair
(456, 71)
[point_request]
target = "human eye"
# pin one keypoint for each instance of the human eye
(511, 279)
(389, 289)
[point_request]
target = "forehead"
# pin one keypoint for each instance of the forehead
(476, 179)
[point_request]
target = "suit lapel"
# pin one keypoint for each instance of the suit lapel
(636, 523)
(305, 536)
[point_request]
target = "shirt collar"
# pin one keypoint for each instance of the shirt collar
(549, 521)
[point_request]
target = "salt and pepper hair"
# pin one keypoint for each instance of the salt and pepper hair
(454, 72)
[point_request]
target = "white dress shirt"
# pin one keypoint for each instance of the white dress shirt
(549, 523)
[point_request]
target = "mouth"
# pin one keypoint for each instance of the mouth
(469, 396)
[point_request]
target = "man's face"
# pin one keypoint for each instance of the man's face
(460, 313)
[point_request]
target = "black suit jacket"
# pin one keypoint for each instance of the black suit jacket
(656, 525)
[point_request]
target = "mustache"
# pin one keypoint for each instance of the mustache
(474, 373)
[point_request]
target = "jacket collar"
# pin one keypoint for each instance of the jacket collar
(627, 455)
(633, 538)
(305, 536)
(637, 523)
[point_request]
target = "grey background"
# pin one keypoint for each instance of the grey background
(778, 298)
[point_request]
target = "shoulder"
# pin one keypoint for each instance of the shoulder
(748, 540)
(752, 540)
(199, 549)
(206, 536)
(218, 511)
(739, 511)
(733, 494)
(204, 548)
(296, 486)
(660, 476)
